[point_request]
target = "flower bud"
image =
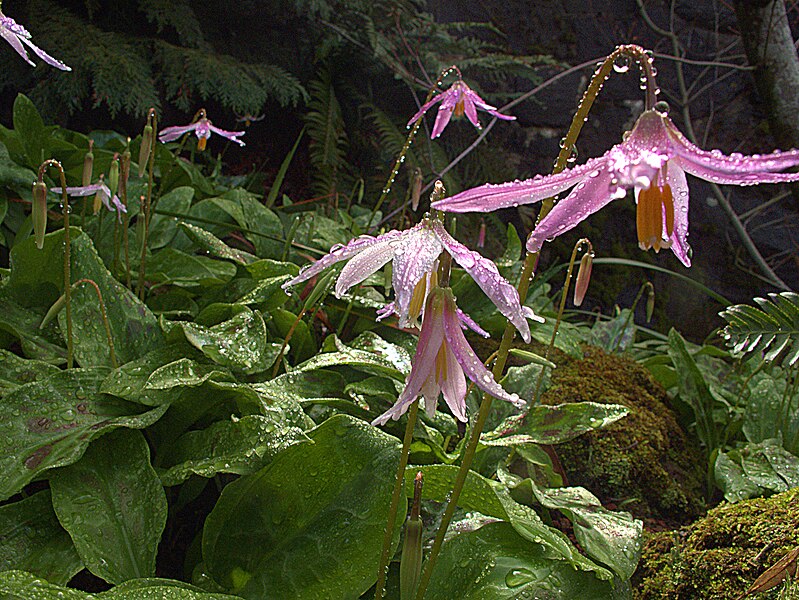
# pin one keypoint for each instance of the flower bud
(53, 311)
(113, 176)
(650, 304)
(411, 560)
(124, 173)
(39, 212)
(583, 277)
(416, 188)
(146, 148)
(88, 165)
(481, 236)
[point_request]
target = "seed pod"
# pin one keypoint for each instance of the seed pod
(39, 212)
(416, 188)
(113, 176)
(411, 559)
(124, 173)
(88, 165)
(583, 277)
(145, 149)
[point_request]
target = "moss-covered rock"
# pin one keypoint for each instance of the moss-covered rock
(721, 555)
(644, 461)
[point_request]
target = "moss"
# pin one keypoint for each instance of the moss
(645, 461)
(720, 555)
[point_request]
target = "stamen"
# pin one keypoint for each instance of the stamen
(459, 108)
(417, 299)
(201, 143)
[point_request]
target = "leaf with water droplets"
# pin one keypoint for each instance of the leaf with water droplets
(32, 539)
(16, 371)
(496, 563)
(171, 266)
(113, 506)
(310, 523)
(50, 422)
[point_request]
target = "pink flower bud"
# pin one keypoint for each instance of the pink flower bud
(583, 277)
(39, 212)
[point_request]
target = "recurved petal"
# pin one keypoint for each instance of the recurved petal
(492, 110)
(79, 191)
(233, 136)
(472, 365)
(339, 253)
(467, 321)
(586, 198)
(430, 339)
(469, 108)
(445, 111)
(730, 177)
(490, 197)
(425, 107)
(362, 265)
(414, 256)
(679, 191)
(13, 40)
(54, 62)
(170, 134)
(453, 388)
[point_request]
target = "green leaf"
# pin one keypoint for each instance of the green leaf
(19, 585)
(613, 538)
(186, 270)
(772, 411)
(210, 243)
(37, 279)
(615, 335)
(13, 175)
(239, 343)
(23, 324)
(32, 539)
(164, 228)
(555, 424)
(49, 423)
(496, 563)
(310, 524)
(240, 446)
(32, 132)
(16, 371)
(756, 470)
(113, 506)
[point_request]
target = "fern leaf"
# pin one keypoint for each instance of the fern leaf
(325, 127)
(771, 328)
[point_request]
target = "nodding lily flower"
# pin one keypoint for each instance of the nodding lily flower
(458, 100)
(415, 253)
(202, 128)
(16, 35)
(652, 160)
(442, 362)
(111, 201)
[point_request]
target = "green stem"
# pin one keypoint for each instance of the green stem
(382, 569)
(146, 208)
(530, 263)
(646, 285)
(67, 275)
(104, 316)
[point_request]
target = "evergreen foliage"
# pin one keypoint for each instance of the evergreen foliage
(771, 329)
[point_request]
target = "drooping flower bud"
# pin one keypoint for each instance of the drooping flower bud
(146, 148)
(98, 198)
(650, 304)
(583, 277)
(88, 166)
(481, 236)
(411, 560)
(416, 188)
(113, 176)
(39, 212)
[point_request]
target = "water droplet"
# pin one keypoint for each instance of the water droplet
(621, 64)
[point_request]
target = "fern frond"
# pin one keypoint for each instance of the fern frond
(771, 329)
(325, 127)
(176, 14)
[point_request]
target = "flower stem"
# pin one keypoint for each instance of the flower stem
(67, 276)
(382, 569)
(145, 210)
(530, 263)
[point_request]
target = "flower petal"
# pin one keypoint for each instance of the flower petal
(425, 107)
(85, 190)
(453, 388)
(469, 108)
(363, 264)
(448, 103)
(472, 365)
(483, 105)
(675, 178)
(424, 361)
(733, 178)
(486, 275)
(339, 253)
(53, 62)
(233, 136)
(467, 321)
(586, 198)
(170, 134)
(414, 257)
(15, 43)
(490, 197)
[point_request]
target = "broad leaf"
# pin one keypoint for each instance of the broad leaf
(16, 371)
(188, 270)
(113, 506)
(310, 524)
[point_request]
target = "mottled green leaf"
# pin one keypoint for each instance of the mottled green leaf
(23, 324)
(210, 243)
(240, 446)
(16, 371)
(756, 470)
(49, 423)
(32, 539)
(113, 506)
(496, 563)
(310, 523)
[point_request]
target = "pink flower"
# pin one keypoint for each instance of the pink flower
(111, 203)
(414, 254)
(16, 35)
(202, 128)
(459, 99)
(652, 160)
(442, 362)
